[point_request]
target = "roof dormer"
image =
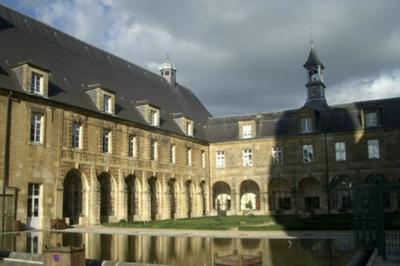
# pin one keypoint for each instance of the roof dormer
(32, 78)
(185, 124)
(247, 129)
(306, 120)
(103, 98)
(150, 113)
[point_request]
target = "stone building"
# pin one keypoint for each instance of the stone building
(93, 138)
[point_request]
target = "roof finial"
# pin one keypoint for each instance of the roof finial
(168, 59)
(311, 37)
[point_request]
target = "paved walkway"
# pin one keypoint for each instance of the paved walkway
(98, 229)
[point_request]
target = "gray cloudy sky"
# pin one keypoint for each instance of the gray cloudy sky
(244, 56)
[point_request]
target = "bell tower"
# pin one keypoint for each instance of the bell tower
(168, 71)
(315, 81)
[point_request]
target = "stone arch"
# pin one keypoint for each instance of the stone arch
(133, 196)
(375, 179)
(107, 188)
(221, 196)
(279, 195)
(249, 195)
(340, 193)
(309, 193)
(154, 194)
(74, 195)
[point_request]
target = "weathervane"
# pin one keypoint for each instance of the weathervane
(311, 37)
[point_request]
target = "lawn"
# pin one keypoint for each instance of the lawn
(259, 223)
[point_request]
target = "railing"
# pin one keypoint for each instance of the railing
(75, 155)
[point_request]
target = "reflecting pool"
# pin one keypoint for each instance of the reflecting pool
(187, 250)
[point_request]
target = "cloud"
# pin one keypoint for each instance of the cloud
(386, 85)
(241, 56)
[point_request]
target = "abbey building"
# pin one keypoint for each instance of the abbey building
(92, 138)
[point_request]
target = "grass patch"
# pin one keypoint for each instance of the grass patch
(324, 222)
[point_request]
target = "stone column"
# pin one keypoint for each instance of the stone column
(181, 209)
(122, 198)
(145, 208)
(94, 199)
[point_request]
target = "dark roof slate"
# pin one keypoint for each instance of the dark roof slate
(76, 65)
(337, 118)
(312, 59)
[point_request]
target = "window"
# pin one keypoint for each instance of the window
(340, 151)
(373, 149)
(371, 119)
(308, 154)
(277, 155)
(247, 131)
(107, 104)
(76, 135)
(189, 128)
(220, 159)
(247, 158)
(172, 154)
(189, 156)
(154, 118)
(37, 127)
(306, 125)
(37, 83)
(154, 150)
(203, 159)
(132, 146)
(106, 143)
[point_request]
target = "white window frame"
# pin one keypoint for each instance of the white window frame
(220, 159)
(132, 146)
(173, 154)
(37, 127)
(308, 153)
(371, 119)
(37, 83)
(154, 150)
(189, 128)
(107, 141)
(154, 117)
(340, 151)
(373, 149)
(247, 131)
(189, 156)
(107, 102)
(277, 155)
(306, 125)
(203, 159)
(77, 135)
(247, 158)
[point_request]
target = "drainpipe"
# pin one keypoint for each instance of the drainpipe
(327, 174)
(6, 153)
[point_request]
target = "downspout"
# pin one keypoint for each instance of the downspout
(6, 159)
(327, 174)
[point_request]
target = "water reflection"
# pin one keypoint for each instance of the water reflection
(187, 251)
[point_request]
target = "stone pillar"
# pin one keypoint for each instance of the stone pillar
(94, 199)
(181, 210)
(263, 199)
(122, 198)
(197, 201)
(165, 204)
(145, 208)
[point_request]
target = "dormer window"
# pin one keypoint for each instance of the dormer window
(185, 124)
(371, 119)
(37, 83)
(306, 125)
(247, 131)
(154, 118)
(189, 128)
(103, 98)
(32, 78)
(107, 104)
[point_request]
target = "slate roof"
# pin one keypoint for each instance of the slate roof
(75, 65)
(313, 59)
(337, 118)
